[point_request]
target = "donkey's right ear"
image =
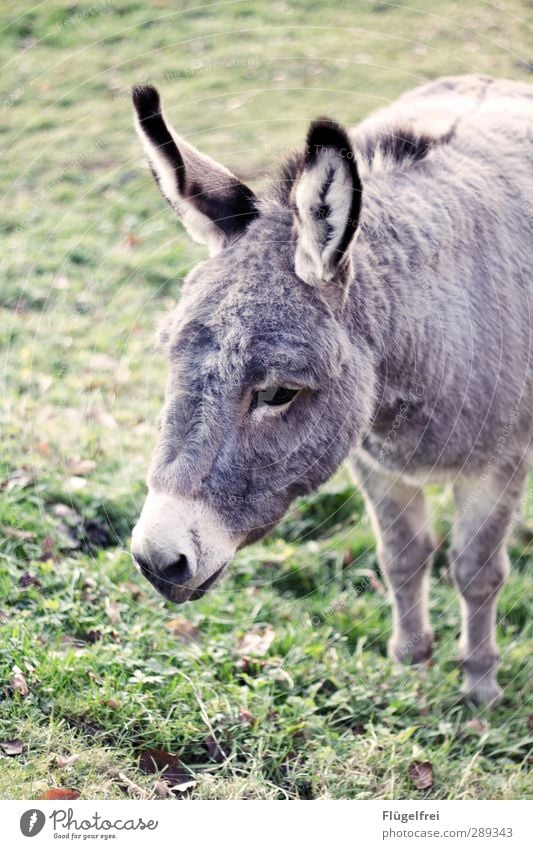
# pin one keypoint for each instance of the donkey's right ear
(214, 206)
(327, 202)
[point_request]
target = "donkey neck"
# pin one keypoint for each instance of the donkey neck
(402, 256)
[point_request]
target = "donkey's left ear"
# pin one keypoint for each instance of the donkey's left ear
(327, 199)
(213, 205)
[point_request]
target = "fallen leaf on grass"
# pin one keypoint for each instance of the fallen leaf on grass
(43, 447)
(256, 642)
(111, 703)
(251, 665)
(162, 789)
(215, 752)
(12, 747)
(48, 548)
(152, 761)
(19, 683)
(421, 774)
(16, 533)
(474, 726)
(182, 628)
(246, 716)
(103, 418)
(19, 479)
(64, 761)
(60, 793)
(81, 467)
(377, 586)
(347, 558)
(27, 580)
(132, 239)
(97, 534)
(111, 610)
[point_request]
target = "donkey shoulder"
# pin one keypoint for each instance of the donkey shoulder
(436, 110)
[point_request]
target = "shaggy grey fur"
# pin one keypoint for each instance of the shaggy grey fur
(413, 354)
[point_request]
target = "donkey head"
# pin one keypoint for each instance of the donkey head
(271, 382)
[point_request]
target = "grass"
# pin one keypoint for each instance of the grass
(91, 260)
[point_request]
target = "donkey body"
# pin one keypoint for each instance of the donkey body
(374, 305)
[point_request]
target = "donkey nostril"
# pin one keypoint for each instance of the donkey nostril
(178, 573)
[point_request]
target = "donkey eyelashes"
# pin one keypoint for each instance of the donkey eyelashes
(273, 396)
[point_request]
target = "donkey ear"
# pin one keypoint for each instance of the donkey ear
(328, 201)
(214, 206)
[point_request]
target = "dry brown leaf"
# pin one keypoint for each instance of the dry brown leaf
(376, 585)
(215, 752)
(256, 642)
(64, 761)
(43, 448)
(48, 547)
(80, 466)
(246, 716)
(250, 664)
(19, 683)
(60, 793)
(16, 533)
(101, 362)
(12, 747)
(162, 789)
(475, 725)
(19, 479)
(103, 418)
(152, 761)
(421, 774)
(112, 610)
(27, 580)
(182, 628)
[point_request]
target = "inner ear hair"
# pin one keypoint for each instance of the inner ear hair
(212, 203)
(328, 201)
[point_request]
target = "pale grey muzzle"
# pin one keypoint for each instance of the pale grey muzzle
(180, 546)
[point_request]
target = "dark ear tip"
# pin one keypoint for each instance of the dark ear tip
(325, 133)
(146, 101)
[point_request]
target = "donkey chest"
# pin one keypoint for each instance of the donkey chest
(408, 438)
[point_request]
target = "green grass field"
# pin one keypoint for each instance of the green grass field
(276, 685)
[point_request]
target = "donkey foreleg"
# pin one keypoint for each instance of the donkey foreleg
(480, 565)
(404, 548)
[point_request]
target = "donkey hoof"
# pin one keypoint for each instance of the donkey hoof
(417, 650)
(483, 693)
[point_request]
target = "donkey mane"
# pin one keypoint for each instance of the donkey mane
(386, 149)
(395, 147)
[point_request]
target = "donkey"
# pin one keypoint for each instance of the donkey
(373, 304)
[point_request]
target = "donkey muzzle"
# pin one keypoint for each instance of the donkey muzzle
(180, 546)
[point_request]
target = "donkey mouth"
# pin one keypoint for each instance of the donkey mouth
(179, 595)
(199, 592)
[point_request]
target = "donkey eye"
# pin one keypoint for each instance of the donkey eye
(274, 396)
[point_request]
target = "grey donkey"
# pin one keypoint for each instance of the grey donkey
(373, 304)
